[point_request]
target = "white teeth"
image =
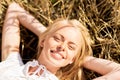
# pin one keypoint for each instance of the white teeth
(52, 51)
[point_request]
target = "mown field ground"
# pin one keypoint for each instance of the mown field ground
(101, 17)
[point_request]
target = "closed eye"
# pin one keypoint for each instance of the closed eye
(56, 38)
(71, 47)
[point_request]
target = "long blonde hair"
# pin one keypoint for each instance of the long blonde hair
(71, 71)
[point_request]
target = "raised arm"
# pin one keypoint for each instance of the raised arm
(29, 21)
(11, 32)
(109, 69)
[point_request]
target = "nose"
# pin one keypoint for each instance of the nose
(61, 47)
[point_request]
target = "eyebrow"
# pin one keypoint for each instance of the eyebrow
(69, 42)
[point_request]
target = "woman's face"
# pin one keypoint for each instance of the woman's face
(60, 47)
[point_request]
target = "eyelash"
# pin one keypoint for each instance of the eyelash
(71, 47)
(56, 38)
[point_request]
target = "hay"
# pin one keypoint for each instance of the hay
(101, 17)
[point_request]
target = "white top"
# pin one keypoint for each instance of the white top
(14, 69)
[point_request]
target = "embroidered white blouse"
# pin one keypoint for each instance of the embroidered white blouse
(14, 69)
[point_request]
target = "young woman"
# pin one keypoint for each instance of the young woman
(62, 49)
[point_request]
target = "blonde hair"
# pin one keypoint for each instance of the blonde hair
(71, 71)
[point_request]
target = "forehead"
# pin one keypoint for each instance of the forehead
(70, 33)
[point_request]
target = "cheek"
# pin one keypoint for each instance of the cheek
(50, 43)
(71, 54)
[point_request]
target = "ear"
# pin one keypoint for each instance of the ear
(71, 61)
(42, 43)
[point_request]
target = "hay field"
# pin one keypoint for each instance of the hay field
(101, 17)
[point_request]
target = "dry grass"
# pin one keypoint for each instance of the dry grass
(101, 17)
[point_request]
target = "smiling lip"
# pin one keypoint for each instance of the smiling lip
(57, 55)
